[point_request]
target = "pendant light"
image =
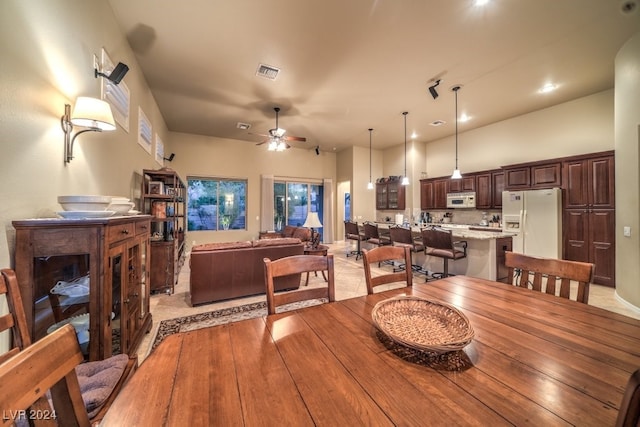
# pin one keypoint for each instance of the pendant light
(370, 184)
(456, 172)
(405, 178)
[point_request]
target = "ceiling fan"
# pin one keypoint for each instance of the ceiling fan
(276, 138)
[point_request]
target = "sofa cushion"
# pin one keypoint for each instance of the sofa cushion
(221, 246)
(276, 242)
(302, 233)
(288, 231)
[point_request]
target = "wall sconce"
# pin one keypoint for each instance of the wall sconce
(116, 75)
(91, 113)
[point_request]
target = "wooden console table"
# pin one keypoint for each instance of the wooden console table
(114, 254)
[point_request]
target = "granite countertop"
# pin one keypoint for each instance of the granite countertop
(465, 231)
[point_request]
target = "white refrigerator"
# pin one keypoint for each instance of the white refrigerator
(535, 219)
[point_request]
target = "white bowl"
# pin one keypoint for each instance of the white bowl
(121, 208)
(84, 203)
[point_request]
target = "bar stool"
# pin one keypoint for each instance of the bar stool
(352, 232)
(439, 242)
(403, 237)
(372, 235)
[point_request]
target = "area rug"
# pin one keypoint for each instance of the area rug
(220, 317)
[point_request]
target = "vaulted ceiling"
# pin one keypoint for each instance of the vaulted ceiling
(349, 65)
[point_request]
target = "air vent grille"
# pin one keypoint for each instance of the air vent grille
(243, 126)
(267, 71)
(437, 123)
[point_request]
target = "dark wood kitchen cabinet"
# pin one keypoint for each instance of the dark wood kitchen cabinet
(589, 213)
(497, 187)
(466, 183)
(106, 260)
(433, 193)
(535, 175)
(390, 195)
(489, 187)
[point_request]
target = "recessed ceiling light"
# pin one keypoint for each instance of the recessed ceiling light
(414, 135)
(549, 87)
(464, 118)
(481, 2)
(437, 123)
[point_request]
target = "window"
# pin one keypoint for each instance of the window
(293, 200)
(216, 204)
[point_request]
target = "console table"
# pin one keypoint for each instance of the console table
(112, 252)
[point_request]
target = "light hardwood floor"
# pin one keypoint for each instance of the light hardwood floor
(349, 278)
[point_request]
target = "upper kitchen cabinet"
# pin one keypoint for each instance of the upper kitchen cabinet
(529, 176)
(467, 183)
(390, 194)
(433, 193)
(589, 183)
(489, 187)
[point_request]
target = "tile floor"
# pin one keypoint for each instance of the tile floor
(350, 283)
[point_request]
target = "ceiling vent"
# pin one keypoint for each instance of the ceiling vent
(437, 123)
(267, 71)
(243, 126)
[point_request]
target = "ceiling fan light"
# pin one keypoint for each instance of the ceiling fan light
(273, 145)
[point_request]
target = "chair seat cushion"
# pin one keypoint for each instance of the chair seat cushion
(98, 379)
(445, 253)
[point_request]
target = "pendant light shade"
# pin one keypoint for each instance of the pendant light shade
(370, 184)
(456, 172)
(405, 178)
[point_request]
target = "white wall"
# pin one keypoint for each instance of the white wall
(47, 53)
(197, 155)
(627, 137)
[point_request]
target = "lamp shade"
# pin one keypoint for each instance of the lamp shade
(92, 113)
(312, 220)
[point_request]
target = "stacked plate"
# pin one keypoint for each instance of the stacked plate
(85, 206)
(121, 206)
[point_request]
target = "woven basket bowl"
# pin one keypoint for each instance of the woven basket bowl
(422, 324)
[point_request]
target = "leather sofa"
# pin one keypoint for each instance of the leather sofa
(302, 233)
(221, 271)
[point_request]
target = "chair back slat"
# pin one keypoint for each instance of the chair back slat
(548, 273)
(294, 265)
(386, 253)
(47, 364)
(16, 319)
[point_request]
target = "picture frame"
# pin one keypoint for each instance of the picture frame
(156, 187)
(170, 191)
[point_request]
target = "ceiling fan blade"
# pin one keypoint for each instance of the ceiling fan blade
(259, 134)
(266, 140)
(295, 138)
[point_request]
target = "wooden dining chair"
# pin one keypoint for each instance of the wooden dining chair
(547, 272)
(48, 364)
(297, 264)
(386, 253)
(100, 380)
(629, 414)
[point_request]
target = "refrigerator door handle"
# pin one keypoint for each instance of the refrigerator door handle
(523, 221)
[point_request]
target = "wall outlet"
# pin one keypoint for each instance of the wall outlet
(626, 231)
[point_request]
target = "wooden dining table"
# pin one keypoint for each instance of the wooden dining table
(535, 359)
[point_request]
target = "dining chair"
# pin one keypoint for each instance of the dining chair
(403, 237)
(48, 364)
(297, 264)
(100, 380)
(386, 253)
(520, 267)
(352, 232)
(629, 413)
(438, 242)
(372, 235)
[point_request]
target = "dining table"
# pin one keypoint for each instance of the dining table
(534, 359)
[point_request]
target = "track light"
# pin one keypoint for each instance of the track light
(116, 75)
(170, 158)
(432, 89)
(317, 150)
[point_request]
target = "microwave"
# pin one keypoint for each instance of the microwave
(461, 200)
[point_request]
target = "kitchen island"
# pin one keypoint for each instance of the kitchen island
(485, 251)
